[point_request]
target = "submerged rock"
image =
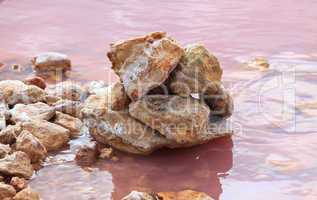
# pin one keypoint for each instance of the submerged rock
(260, 63)
(195, 72)
(118, 128)
(67, 90)
(15, 91)
(51, 62)
(16, 164)
(27, 194)
(87, 154)
(6, 191)
(69, 107)
(51, 135)
(29, 144)
(40, 111)
(145, 62)
(36, 80)
(182, 120)
(73, 124)
(9, 134)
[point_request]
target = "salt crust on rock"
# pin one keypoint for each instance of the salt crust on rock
(40, 111)
(51, 62)
(183, 120)
(15, 91)
(118, 128)
(145, 62)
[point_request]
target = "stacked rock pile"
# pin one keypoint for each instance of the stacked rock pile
(167, 97)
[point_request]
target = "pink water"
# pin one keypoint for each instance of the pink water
(272, 155)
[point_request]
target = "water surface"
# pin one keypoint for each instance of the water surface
(272, 155)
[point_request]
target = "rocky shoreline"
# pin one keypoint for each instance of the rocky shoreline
(167, 97)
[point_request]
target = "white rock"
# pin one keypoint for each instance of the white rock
(51, 61)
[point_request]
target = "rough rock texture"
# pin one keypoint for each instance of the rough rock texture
(183, 120)
(40, 111)
(96, 87)
(195, 71)
(119, 129)
(51, 135)
(135, 195)
(29, 144)
(220, 103)
(145, 62)
(51, 62)
(73, 124)
(4, 150)
(16, 164)
(69, 107)
(9, 134)
(18, 183)
(36, 80)
(183, 195)
(6, 191)
(67, 90)
(50, 100)
(26, 194)
(87, 154)
(15, 91)
(116, 97)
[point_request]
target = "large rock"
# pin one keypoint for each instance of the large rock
(182, 195)
(6, 191)
(36, 111)
(69, 107)
(16, 164)
(29, 144)
(27, 194)
(87, 154)
(67, 90)
(15, 91)
(5, 149)
(51, 62)
(145, 62)
(182, 120)
(9, 134)
(118, 128)
(51, 135)
(73, 124)
(195, 72)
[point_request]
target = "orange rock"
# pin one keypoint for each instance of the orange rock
(18, 183)
(145, 62)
